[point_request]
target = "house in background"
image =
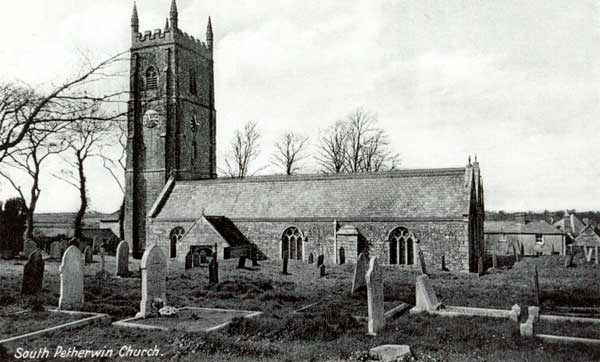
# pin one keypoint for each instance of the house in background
(531, 237)
(571, 225)
(587, 238)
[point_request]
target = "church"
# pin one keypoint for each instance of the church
(175, 199)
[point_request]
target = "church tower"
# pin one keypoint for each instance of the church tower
(171, 117)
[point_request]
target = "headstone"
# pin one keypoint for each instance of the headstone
(596, 248)
(536, 284)
(254, 255)
(285, 265)
(33, 274)
(213, 271)
(102, 261)
(241, 262)
(320, 260)
(188, 260)
(494, 260)
(29, 246)
(342, 256)
(444, 268)
(88, 255)
(196, 259)
(480, 269)
(360, 269)
(322, 270)
(515, 313)
(426, 298)
(203, 257)
(422, 262)
(311, 258)
(56, 250)
(122, 259)
(588, 255)
(375, 296)
(391, 352)
(569, 260)
(71, 280)
(154, 279)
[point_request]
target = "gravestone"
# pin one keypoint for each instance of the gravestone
(311, 258)
(320, 260)
(29, 246)
(241, 262)
(71, 280)
(285, 266)
(444, 268)
(391, 352)
(374, 279)
(203, 257)
(422, 262)
(322, 270)
(360, 269)
(342, 256)
(426, 299)
(56, 250)
(569, 260)
(188, 260)
(480, 270)
(154, 279)
(195, 259)
(122, 259)
(88, 255)
(494, 260)
(213, 271)
(588, 254)
(596, 248)
(102, 261)
(536, 284)
(515, 313)
(254, 255)
(33, 274)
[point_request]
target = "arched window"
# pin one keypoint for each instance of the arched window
(175, 237)
(291, 243)
(401, 247)
(151, 78)
(193, 85)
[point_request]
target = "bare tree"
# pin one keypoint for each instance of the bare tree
(243, 151)
(289, 152)
(85, 138)
(333, 148)
(356, 144)
(21, 107)
(116, 166)
(40, 142)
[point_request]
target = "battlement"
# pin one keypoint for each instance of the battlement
(164, 36)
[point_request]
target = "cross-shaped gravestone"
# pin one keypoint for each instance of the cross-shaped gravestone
(374, 278)
(33, 274)
(154, 279)
(122, 259)
(360, 269)
(71, 280)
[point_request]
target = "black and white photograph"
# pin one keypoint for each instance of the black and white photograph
(282, 181)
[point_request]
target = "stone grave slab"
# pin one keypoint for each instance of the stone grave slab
(391, 352)
(71, 280)
(154, 279)
(376, 311)
(360, 269)
(88, 255)
(122, 259)
(33, 274)
(29, 246)
(188, 260)
(426, 298)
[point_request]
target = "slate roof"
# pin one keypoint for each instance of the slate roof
(587, 237)
(513, 227)
(430, 193)
(91, 233)
(228, 231)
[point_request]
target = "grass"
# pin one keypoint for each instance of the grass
(22, 323)
(326, 332)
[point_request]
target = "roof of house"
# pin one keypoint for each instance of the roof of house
(513, 227)
(91, 233)
(414, 194)
(570, 224)
(228, 231)
(587, 237)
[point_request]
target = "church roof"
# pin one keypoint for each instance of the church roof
(228, 231)
(406, 194)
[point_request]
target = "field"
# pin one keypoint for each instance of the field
(326, 332)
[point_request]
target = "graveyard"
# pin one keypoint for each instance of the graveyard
(258, 313)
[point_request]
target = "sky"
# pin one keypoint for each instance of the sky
(515, 82)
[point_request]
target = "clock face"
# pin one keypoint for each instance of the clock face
(151, 118)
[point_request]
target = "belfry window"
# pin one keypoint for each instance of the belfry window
(151, 78)
(401, 247)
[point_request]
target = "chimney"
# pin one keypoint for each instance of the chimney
(521, 218)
